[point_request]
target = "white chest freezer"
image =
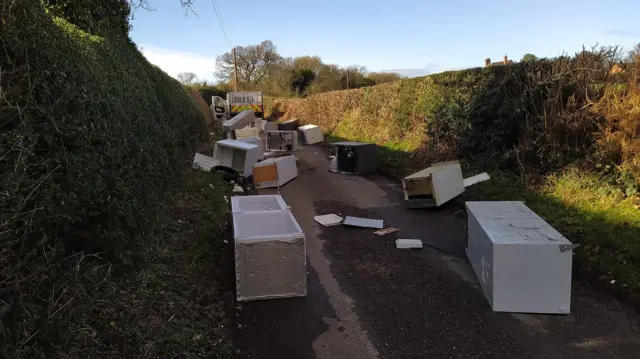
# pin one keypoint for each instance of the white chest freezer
(282, 141)
(274, 172)
(237, 155)
(241, 120)
(522, 263)
(270, 256)
(311, 134)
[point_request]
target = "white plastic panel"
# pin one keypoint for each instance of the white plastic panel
(363, 222)
(484, 176)
(328, 220)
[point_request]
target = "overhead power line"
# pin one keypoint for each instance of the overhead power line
(215, 8)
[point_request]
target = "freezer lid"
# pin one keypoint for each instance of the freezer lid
(447, 182)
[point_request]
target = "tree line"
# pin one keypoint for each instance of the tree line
(262, 68)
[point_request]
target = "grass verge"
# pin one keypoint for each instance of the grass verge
(171, 301)
(580, 205)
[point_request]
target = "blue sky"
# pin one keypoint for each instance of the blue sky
(411, 37)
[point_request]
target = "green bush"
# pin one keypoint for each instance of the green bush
(91, 136)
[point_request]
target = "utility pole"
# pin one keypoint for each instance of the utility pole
(347, 79)
(235, 68)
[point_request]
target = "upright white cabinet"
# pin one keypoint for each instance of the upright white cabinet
(522, 263)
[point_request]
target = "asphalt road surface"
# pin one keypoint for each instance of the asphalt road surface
(367, 299)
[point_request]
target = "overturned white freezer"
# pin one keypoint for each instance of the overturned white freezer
(275, 172)
(270, 253)
(436, 185)
(522, 263)
(237, 155)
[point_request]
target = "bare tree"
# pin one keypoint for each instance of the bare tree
(634, 53)
(255, 63)
(187, 78)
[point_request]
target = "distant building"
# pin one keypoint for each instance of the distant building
(616, 68)
(505, 61)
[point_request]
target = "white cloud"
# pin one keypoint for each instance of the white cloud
(175, 62)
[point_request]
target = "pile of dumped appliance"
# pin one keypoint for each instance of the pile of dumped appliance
(521, 262)
(258, 151)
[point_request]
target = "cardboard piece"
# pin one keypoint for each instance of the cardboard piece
(247, 132)
(385, 231)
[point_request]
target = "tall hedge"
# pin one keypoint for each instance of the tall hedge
(91, 136)
(544, 114)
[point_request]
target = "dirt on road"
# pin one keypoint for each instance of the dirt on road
(367, 299)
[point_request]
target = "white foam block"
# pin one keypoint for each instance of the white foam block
(408, 243)
(328, 220)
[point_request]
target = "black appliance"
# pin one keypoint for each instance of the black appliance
(356, 157)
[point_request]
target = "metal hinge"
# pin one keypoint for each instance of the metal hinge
(568, 247)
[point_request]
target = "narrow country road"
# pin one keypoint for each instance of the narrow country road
(367, 299)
